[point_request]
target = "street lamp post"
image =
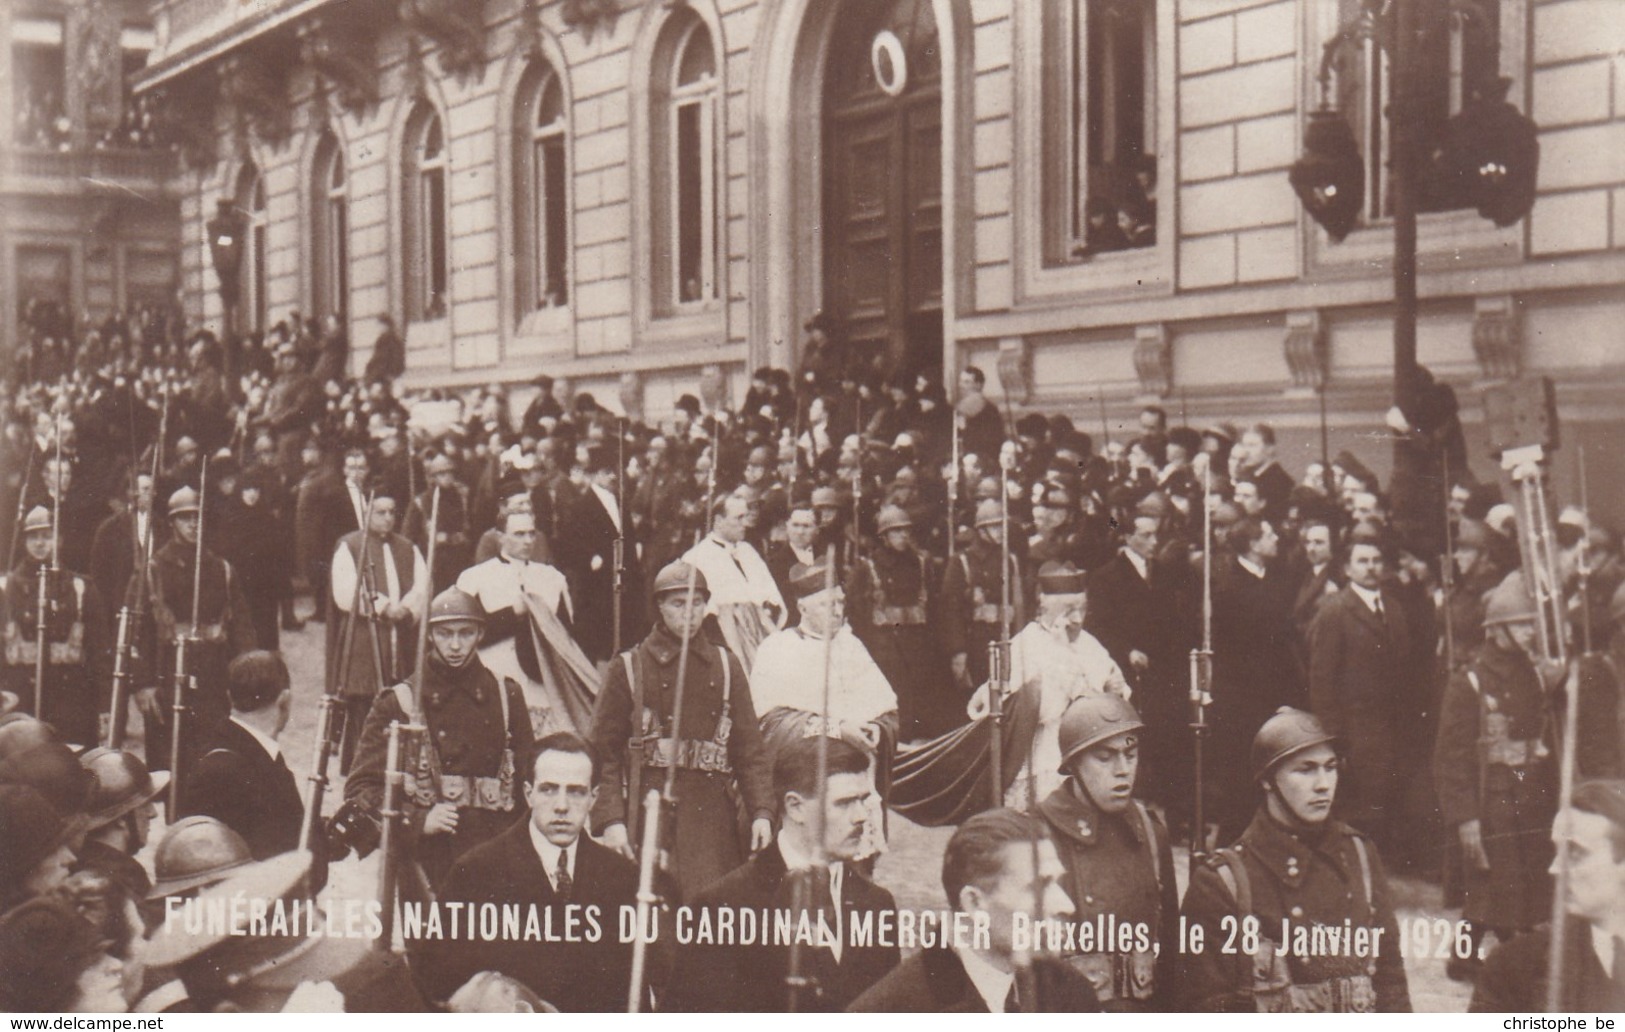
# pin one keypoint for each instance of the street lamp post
(1486, 157)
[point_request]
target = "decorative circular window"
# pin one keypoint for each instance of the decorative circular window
(890, 64)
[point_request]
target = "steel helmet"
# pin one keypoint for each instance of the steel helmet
(119, 782)
(1092, 719)
(33, 754)
(674, 577)
(195, 852)
(893, 517)
(454, 605)
(989, 513)
(1509, 602)
(1288, 732)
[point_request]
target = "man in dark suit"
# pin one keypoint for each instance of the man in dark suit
(241, 778)
(1591, 834)
(113, 553)
(1364, 683)
(799, 549)
(1135, 610)
(988, 871)
(320, 491)
(547, 863)
(1257, 461)
(588, 528)
(751, 978)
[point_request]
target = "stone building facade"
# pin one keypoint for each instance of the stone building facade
(89, 212)
(1086, 198)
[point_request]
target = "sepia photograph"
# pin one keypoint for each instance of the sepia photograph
(768, 506)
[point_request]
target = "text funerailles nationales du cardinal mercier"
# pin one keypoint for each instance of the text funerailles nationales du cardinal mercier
(450, 920)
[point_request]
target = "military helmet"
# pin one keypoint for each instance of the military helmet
(989, 513)
(1509, 602)
(119, 782)
(33, 754)
(44, 944)
(194, 852)
(38, 518)
(183, 501)
(34, 829)
(674, 576)
(454, 605)
(1288, 732)
(893, 517)
(1091, 719)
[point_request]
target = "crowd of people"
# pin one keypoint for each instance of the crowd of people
(988, 618)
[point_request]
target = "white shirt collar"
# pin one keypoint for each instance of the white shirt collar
(267, 743)
(1251, 567)
(796, 860)
(610, 503)
(1138, 562)
(991, 984)
(549, 854)
(1372, 599)
(1603, 943)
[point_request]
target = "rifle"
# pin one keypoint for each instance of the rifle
(618, 555)
(185, 679)
(798, 982)
(1447, 575)
(129, 618)
(17, 524)
(1201, 694)
(389, 809)
(998, 664)
(324, 714)
(1583, 566)
(365, 574)
(657, 803)
(953, 487)
(47, 575)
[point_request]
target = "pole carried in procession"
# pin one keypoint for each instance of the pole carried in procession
(998, 660)
(131, 612)
(185, 677)
(47, 574)
(657, 805)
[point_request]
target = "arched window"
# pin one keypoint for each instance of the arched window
(330, 227)
(253, 304)
(685, 122)
(541, 198)
(423, 210)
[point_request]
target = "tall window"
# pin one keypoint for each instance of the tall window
(686, 252)
(1461, 54)
(540, 132)
(330, 227)
(1100, 117)
(423, 210)
(252, 300)
(39, 82)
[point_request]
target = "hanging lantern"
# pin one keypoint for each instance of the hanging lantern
(1490, 156)
(1330, 177)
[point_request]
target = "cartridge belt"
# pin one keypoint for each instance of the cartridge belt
(692, 754)
(902, 616)
(1117, 976)
(21, 651)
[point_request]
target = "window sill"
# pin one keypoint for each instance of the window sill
(698, 323)
(426, 334)
(1138, 272)
(545, 331)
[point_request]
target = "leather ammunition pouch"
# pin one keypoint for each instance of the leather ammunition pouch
(1117, 976)
(21, 651)
(899, 616)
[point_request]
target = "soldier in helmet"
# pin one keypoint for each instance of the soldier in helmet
(720, 758)
(461, 778)
(121, 812)
(77, 646)
(224, 630)
(1119, 862)
(1496, 779)
(1477, 573)
(973, 593)
(890, 604)
(1293, 873)
(194, 853)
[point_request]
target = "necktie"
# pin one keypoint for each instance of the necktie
(563, 885)
(1012, 1005)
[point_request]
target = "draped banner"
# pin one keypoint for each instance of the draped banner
(948, 779)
